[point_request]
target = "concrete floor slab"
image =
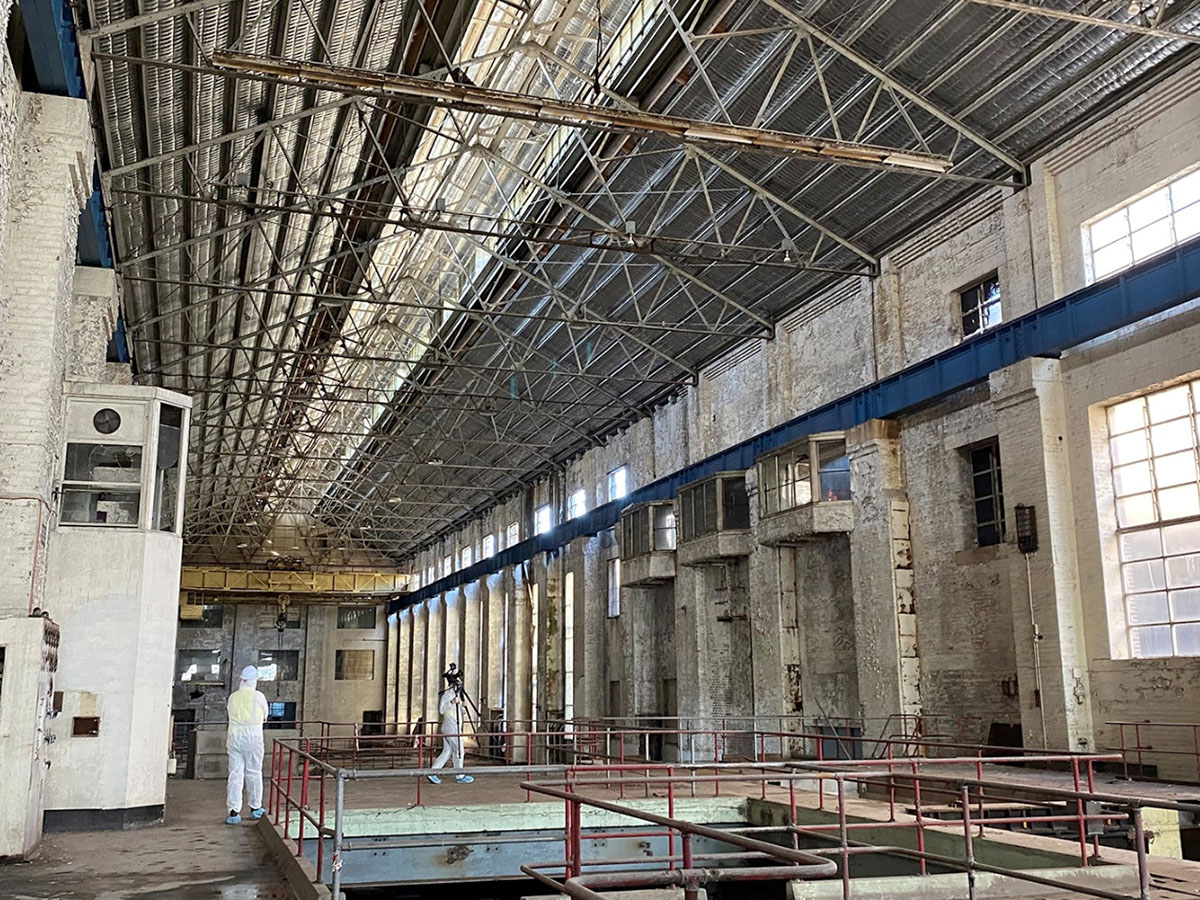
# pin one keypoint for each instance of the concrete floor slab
(194, 855)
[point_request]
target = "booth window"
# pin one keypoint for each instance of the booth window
(102, 484)
(166, 476)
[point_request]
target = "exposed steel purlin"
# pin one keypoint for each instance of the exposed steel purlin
(1067, 15)
(574, 114)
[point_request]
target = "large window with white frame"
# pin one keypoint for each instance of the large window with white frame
(489, 546)
(1148, 225)
(1153, 448)
(542, 521)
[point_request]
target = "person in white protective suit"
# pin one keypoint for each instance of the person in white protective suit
(450, 707)
(247, 709)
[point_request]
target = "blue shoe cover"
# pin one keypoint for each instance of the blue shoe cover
(464, 779)
(234, 820)
(433, 779)
(257, 813)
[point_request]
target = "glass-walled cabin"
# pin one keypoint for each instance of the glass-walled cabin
(815, 470)
(719, 503)
(645, 528)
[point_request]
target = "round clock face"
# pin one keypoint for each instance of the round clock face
(107, 421)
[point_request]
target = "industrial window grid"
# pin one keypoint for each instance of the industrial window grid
(1153, 447)
(1148, 225)
(987, 483)
(614, 587)
(542, 520)
(513, 535)
(980, 305)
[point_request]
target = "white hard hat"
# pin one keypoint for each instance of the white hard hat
(250, 673)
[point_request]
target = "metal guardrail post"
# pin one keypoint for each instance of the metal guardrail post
(843, 836)
(968, 842)
(338, 823)
(1139, 836)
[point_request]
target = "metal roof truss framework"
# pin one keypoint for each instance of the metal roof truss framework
(407, 257)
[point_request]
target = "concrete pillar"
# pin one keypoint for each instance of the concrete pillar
(790, 643)
(1031, 415)
(550, 639)
(389, 674)
(435, 655)
(692, 657)
(640, 684)
(470, 661)
(401, 675)
(518, 687)
(888, 324)
(765, 602)
(495, 641)
(590, 629)
(885, 622)
(420, 630)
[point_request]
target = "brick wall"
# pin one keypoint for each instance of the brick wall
(45, 143)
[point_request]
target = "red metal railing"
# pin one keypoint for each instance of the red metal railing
(1135, 743)
(302, 769)
(585, 887)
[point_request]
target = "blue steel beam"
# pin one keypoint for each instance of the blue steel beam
(1155, 286)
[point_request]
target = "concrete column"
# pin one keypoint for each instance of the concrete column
(640, 684)
(495, 643)
(420, 627)
(885, 622)
(550, 640)
(455, 601)
(692, 614)
(765, 603)
(519, 707)
(1031, 415)
(790, 644)
(435, 656)
(470, 661)
(392, 655)
(590, 628)
(888, 325)
(402, 674)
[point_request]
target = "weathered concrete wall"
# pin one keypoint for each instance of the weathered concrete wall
(962, 590)
(248, 629)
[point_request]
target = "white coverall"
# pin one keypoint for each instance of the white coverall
(452, 744)
(247, 709)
